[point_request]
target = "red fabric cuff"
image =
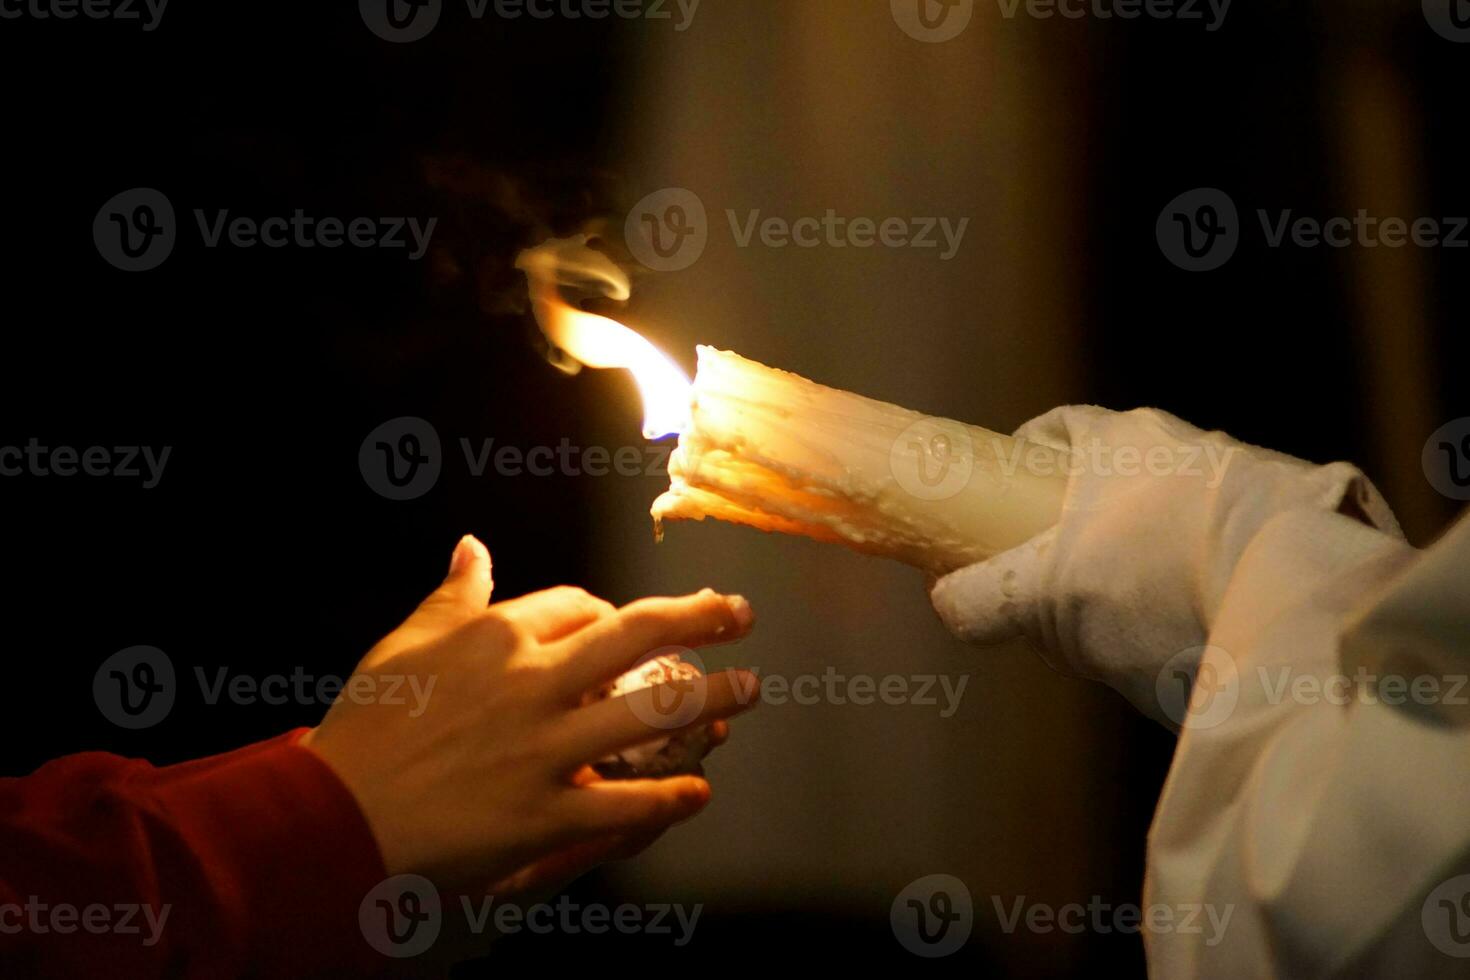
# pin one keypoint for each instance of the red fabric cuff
(285, 851)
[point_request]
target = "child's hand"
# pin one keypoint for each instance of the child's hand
(486, 778)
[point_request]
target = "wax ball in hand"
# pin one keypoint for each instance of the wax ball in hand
(672, 755)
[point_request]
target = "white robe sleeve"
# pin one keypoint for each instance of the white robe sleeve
(1319, 799)
(1316, 819)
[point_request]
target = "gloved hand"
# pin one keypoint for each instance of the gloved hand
(1157, 513)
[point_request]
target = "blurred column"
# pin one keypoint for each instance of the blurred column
(791, 109)
(1380, 133)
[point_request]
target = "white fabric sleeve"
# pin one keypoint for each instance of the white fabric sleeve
(1319, 799)
(1155, 517)
(1316, 817)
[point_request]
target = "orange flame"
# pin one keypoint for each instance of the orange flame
(598, 341)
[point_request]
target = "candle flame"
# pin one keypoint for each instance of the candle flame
(570, 264)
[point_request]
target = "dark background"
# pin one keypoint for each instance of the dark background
(263, 369)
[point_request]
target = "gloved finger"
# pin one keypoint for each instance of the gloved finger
(994, 600)
(1109, 457)
(554, 613)
(1345, 489)
(1061, 427)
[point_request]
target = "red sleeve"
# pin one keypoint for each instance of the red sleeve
(252, 862)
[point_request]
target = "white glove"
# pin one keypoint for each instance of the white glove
(1157, 513)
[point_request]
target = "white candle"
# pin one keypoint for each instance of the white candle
(773, 450)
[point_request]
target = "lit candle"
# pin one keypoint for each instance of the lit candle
(773, 450)
(571, 265)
